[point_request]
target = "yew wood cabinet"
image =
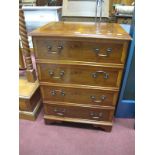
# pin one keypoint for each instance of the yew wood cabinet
(80, 67)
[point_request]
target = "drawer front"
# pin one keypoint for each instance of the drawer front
(79, 95)
(79, 51)
(79, 112)
(77, 74)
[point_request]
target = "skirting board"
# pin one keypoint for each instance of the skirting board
(31, 115)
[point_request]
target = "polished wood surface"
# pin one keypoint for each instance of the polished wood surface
(23, 104)
(79, 95)
(21, 59)
(79, 63)
(29, 99)
(79, 86)
(75, 111)
(85, 75)
(106, 126)
(30, 72)
(47, 48)
(36, 97)
(109, 31)
(28, 103)
(27, 89)
(32, 115)
(80, 67)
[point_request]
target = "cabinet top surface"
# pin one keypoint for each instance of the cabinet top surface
(82, 30)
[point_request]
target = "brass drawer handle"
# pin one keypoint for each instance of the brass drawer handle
(107, 52)
(53, 92)
(59, 111)
(105, 74)
(95, 115)
(49, 49)
(51, 73)
(98, 101)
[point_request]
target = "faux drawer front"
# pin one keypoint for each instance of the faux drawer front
(79, 50)
(79, 95)
(79, 112)
(77, 74)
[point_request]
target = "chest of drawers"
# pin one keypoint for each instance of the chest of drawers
(80, 67)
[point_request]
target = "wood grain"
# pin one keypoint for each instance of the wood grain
(32, 115)
(79, 75)
(106, 126)
(79, 95)
(21, 59)
(30, 72)
(53, 49)
(27, 89)
(28, 104)
(74, 111)
(78, 84)
(110, 31)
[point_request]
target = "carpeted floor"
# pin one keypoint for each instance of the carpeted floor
(36, 138)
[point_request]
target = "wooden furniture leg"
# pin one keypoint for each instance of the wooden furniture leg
(103, 127)
(47, 121)
(21, 60)
(30, 72)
